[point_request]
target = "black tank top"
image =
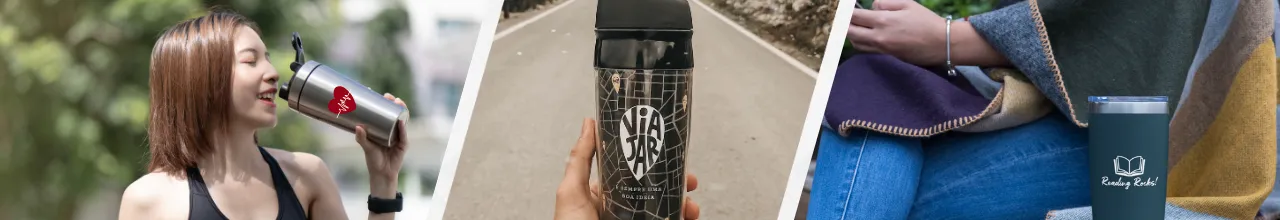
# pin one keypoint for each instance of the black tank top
(203, 208)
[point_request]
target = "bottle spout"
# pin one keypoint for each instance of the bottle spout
(298, 58)
(283, 91)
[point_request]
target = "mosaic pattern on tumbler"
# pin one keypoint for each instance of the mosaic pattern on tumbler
(633, 187)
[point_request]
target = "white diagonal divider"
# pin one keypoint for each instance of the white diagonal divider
(817, 106)
(466, 104)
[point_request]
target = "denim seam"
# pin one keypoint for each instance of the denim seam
(858, 163)
(968, 177)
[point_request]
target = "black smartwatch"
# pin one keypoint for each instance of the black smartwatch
(379, 205)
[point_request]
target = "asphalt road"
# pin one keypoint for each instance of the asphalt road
(538, 85)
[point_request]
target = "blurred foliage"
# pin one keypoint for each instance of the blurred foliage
(382, 67)
(959, 8)
(74, 89)
(513, 6)
(804, 25)
(956, 8)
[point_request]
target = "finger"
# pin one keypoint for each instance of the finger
(595, 187)
(362, 137)
(388, 96)
(578, 170)
(596, 190)
(868, 18)
(862, 38)
(596, 194)
(860, 33)
(690, 182)
(401, 102)
(691, 209)
(865, 49)
(401, 138)
(891, 5)
(360, 133)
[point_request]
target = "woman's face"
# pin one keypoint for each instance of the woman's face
(253, 83)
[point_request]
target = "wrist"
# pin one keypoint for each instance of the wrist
(971, 49)
(962, 37)
(383, 187)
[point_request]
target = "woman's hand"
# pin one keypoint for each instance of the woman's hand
(902, 28)
(576, 199)
(909, 31)
(383, 161)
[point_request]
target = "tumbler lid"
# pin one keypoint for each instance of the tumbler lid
(298, 61)
(1129, 104)
(644, 14)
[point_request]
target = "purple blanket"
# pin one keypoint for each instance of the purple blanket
(881, 93)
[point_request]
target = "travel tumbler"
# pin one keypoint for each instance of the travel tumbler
(1128, 156)
(643, 65)
(322, 93)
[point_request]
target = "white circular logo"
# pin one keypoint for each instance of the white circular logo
(642, 131)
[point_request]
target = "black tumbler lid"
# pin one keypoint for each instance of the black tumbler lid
(644, 14)
(298, 61)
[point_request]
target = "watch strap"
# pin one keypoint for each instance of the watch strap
(380, 205)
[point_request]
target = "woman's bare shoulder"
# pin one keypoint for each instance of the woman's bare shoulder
(303, 163)
(306, 172)
(155, 195)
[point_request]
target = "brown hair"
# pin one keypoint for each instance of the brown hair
(190, 86)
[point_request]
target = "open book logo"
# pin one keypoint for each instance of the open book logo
(1129, 167)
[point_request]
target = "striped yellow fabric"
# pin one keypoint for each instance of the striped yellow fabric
(1231, 169)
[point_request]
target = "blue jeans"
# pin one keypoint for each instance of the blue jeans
(1016, 173)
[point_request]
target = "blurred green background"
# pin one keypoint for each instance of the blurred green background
(74, 88)
(956, 8)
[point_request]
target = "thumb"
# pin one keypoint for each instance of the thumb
(362, 137)
(578, 170)
(891, 5)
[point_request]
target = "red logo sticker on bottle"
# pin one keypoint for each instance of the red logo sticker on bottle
(342, 102)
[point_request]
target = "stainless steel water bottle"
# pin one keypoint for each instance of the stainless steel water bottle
(643, 74)
(319, 92)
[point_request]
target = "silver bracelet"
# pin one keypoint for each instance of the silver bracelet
(951, 69)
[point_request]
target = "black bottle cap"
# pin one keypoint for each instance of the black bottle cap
(644, 14)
